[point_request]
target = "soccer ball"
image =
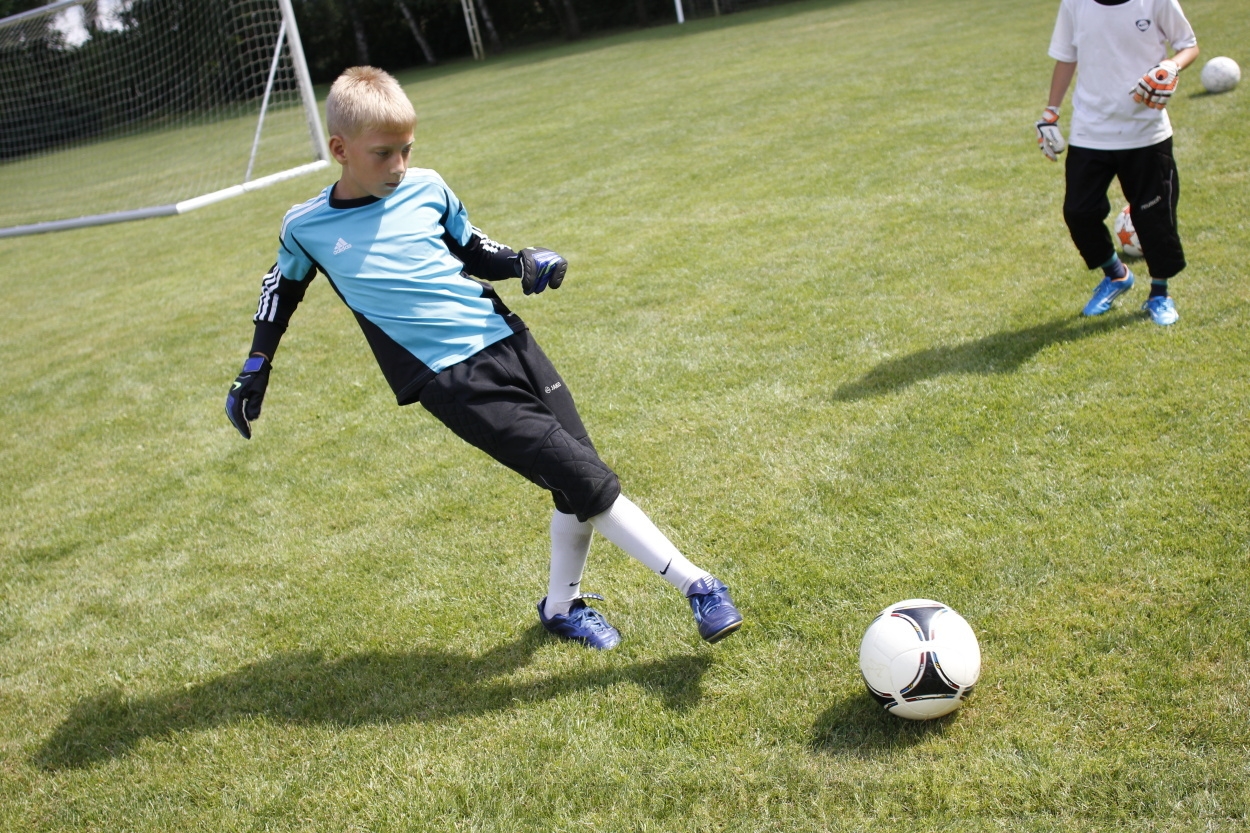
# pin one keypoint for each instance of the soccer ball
(920, 659)
(1126, 234)
(1220, 75)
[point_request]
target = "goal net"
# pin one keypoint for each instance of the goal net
(116, 110)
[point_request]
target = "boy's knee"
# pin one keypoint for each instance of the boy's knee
(580, 483)
(595, 500)
(1089, 232)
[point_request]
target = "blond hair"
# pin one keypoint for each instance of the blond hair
(367, 98)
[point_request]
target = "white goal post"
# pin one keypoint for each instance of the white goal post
(114, 110)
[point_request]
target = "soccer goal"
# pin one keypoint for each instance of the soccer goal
(114, 110)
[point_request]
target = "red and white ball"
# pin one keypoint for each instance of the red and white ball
(1126, 234)
(920, 659)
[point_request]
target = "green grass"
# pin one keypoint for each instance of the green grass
(821, 317)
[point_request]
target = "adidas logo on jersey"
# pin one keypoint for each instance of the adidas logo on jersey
(341, 246)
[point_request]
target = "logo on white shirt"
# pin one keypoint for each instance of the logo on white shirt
(341, 246)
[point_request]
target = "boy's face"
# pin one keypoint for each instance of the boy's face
(373, 163)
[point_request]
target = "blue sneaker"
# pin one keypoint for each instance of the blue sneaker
(1106, 292)
(582, 624)
(1162, 310)
(714, 611)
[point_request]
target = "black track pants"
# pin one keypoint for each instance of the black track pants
(509, 401)
(1149, 182)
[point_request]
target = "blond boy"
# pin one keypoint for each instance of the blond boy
(397, 246)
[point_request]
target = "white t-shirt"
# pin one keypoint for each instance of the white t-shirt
(1114, 46)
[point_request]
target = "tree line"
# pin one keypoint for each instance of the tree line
(398, 34)
(142, 62)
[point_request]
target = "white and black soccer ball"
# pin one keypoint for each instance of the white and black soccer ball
(920, 659)
(1126, 234)
(1220, 75)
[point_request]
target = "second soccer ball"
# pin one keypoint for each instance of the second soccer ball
(1126, 234)
(1220, 75)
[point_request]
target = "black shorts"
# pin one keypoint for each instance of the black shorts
(509, 401)
(1150, 184)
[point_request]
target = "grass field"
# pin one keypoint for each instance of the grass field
(822, 317)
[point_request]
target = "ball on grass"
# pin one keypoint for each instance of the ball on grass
(920, 659)
(1220, 75)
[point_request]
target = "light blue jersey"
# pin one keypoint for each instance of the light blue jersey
(389, 260)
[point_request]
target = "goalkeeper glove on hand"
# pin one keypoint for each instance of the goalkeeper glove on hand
(1155, 88)
(1049, 136)
(541, 268)
(247, 393)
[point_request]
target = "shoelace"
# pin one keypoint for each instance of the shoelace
(588, 617)
(708, 602)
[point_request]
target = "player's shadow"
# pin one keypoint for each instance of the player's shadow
(857, 725)
(305, 687)
(998, 353)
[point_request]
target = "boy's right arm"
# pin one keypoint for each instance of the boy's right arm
(279, 296)
(1049, 137)
(1060, 80)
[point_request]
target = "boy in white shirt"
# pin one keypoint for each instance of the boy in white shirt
(1120, 129)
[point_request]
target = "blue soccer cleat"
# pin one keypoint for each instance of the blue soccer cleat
(714, 611)
(582, 624)
(1162, 310)
(1106, 292)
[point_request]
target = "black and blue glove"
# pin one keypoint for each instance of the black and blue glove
(247, 393)
(541, 268)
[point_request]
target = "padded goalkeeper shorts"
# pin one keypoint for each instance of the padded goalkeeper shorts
(509, 401)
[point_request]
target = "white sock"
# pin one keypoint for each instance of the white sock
(629, 528)
(570, 544)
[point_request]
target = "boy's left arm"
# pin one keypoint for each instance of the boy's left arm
(482, 257)
(1156, 87)
(1186, 56)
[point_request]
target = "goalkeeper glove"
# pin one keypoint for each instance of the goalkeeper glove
(1155, 88)
(247, 393)
(541, 268)
(1049, 136)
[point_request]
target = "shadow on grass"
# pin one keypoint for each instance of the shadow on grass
(305, 687)
(858, 726)
(997, 353)
(1204, 93)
